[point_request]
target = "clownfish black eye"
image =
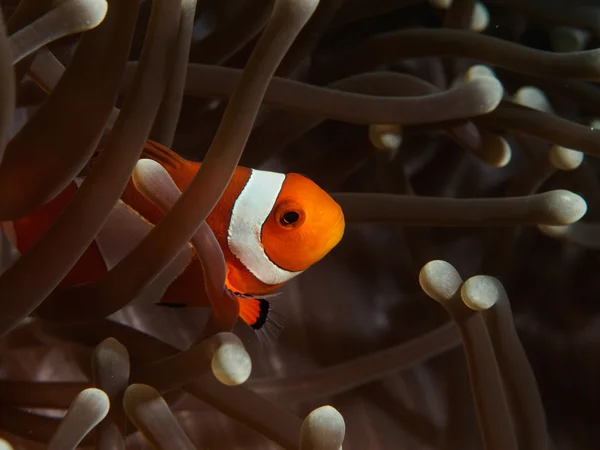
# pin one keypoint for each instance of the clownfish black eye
(289, 218)
(289, 215)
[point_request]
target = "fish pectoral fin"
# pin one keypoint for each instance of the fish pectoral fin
(259, 314)
(254, 311)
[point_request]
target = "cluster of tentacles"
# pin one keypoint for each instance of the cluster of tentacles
(459, 137)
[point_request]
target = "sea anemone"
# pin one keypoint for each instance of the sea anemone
(458, 136)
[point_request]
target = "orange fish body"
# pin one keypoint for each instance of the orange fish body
(270, 226)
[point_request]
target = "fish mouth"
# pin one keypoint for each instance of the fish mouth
(336, 232)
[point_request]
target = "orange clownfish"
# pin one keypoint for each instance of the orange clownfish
(270, 226)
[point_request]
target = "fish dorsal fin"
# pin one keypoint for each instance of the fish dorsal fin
(180, 169)
(163, 155)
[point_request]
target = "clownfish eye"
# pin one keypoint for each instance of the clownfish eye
(290, 218)
(289, 215)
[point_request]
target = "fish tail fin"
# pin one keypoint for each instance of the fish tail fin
(260, 315)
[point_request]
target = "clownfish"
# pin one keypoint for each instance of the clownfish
(270, 226)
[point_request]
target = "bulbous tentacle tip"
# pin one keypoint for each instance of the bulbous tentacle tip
(564, 207)
(85, 14)
(490, 92)
(481, 292)
(481, 18)
(595, 124)
(441, 4)
(439, 280)
(532, 97)
(112, 344)
(554, 231)
(323, 429)
(110, 366)
(152, 416)
(565, 158)
(96, 398)
(87, 410)
(231, 364)
(497, 151)
(568, 39)
(138, 396)
(480, 70)
(386, 137)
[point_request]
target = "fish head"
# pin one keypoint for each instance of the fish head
(305, 225)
